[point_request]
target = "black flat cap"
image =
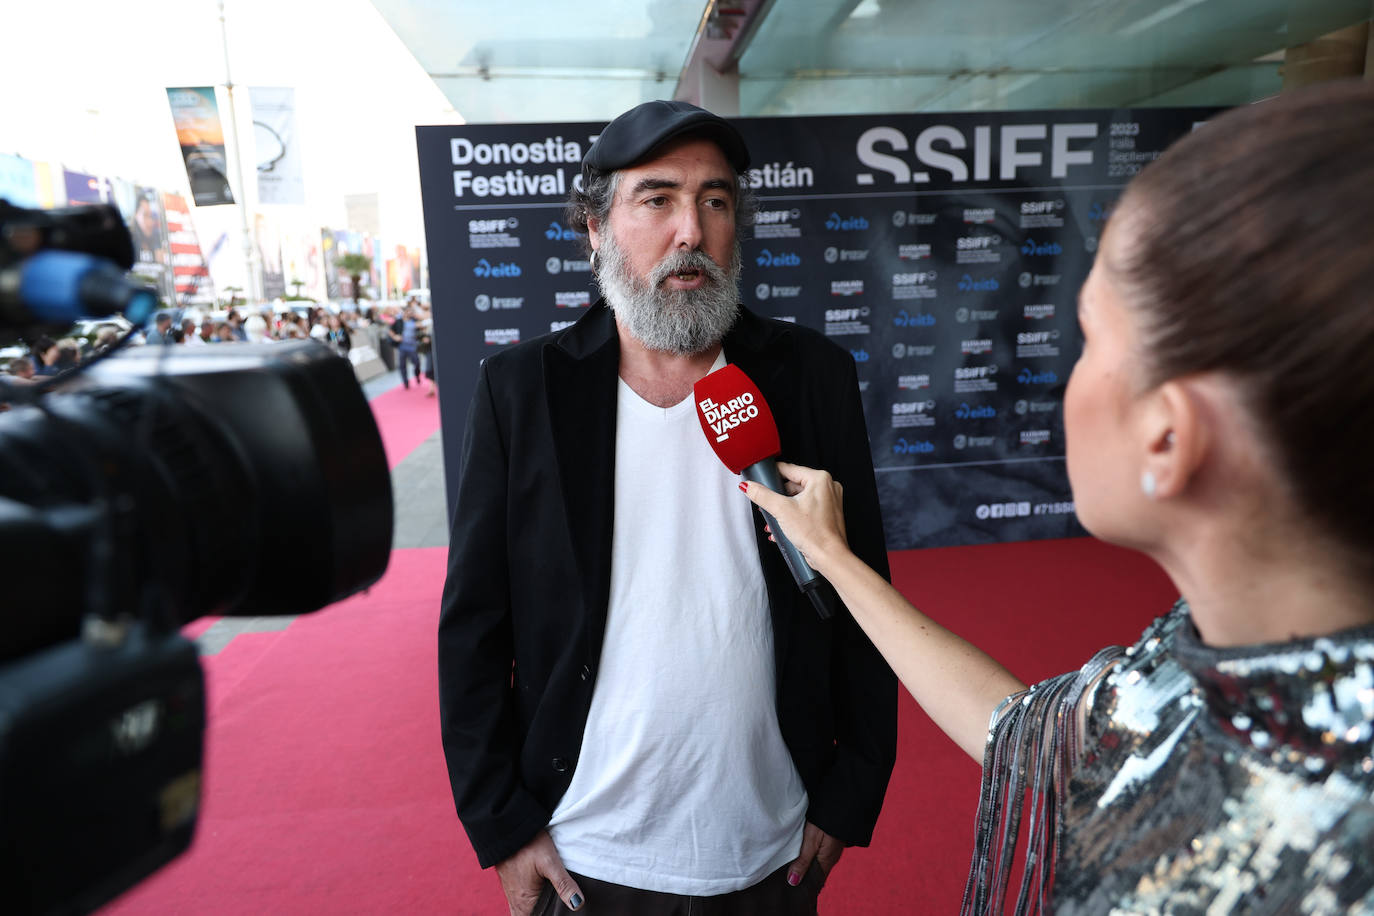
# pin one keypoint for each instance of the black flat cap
(636, 133)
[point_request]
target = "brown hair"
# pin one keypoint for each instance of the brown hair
(1252, 253)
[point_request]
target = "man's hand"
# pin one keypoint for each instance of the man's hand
(523, 876)
(816, 845)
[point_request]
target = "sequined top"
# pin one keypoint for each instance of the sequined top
(1172, 777)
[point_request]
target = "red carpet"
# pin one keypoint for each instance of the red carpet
(325, 785)
(405, 417)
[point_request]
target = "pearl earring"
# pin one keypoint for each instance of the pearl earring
(1147, 484)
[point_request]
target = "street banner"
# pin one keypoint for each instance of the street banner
(18, 184)
(943, 251)
(189, 270)
(280, 178)
(152, 258)
(202, 144)
(85, 189)
(269, 256)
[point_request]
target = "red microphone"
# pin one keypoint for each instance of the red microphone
(740, 428)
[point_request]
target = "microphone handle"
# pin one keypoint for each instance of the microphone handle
(807, 579)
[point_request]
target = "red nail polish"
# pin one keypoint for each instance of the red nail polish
(743, 487)
(793, 878)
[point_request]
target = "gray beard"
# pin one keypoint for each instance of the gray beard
(679, 321)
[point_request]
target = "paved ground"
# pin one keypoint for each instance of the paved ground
(417, 490)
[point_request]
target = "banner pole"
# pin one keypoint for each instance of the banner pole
(254, 288)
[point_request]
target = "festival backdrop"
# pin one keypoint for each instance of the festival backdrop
(944, 251)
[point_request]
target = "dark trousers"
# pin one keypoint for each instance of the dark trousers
(772, 896)
(408, 358)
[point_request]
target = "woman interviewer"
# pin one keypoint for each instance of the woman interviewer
(1221, 420)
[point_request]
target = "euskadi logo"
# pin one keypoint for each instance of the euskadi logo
(767, 258)
(724, 417)
(572, 299)
(836, 223)
(979, 412)
(485, 268)
(976, 345)
(556, 233)
(1033, 249)
(918, 447)
(904, 319)
(1035, 436)
(1038, 311)
(498, 336)
(913, 382)
(1027, 377)
(969, 285)
(979, 215)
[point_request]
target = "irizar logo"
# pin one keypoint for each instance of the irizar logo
(1032, 248)
(905, 319)
(836, 223)
(968, 284)
(1027, 279)
(832, 254)
(766, 258)
(1027, 377)
(981, 412)
(485, 268)
(919, 447)
(556, 233)
(558, 265)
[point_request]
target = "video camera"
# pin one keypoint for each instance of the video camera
(139, 491)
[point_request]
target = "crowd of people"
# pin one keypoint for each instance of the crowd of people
(408, 328)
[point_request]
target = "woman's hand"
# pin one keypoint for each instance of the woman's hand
(811, 514)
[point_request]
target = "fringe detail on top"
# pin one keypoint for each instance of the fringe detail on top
(1034, 741)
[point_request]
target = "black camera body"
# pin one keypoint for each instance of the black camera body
(152, 487)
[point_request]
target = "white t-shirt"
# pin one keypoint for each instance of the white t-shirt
(684, 784)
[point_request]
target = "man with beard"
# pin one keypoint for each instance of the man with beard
(640, 709)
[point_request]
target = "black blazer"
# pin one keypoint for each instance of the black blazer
(524, 605)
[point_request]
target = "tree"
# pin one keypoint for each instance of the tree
(355, 265)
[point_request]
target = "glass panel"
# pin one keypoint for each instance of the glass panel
(541, 60)
(842, 56)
